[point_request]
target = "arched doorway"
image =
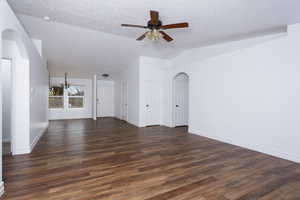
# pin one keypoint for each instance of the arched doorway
(15, 94)
(181, 100)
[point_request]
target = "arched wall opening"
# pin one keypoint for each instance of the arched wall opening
(180, 105)
(15, 93)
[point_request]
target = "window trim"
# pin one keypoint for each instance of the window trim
(82, 97)
(66, 99)
(56, 97)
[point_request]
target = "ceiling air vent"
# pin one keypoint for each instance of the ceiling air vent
(105, 75)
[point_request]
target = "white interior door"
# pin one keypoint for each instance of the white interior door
(124, 101)
(105, 99)
(152, 103)
(181, 102)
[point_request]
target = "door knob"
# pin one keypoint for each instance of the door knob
(147, 105)
(177, 105)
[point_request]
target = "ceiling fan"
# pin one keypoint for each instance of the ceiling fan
(156, 28)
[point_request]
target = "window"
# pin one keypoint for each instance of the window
(56, 97)
(76, 96)
(61, 98)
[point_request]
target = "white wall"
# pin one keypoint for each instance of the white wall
(245, 92)
(131, 76)
(143, 69)
(76, 113)
(20, 107)
(6, 98)
(242, 92)
(39, 46)
(132, 79)
(154, 70)
(38, 78)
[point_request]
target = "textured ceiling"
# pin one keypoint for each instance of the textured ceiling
(210, 21)
(83, 52)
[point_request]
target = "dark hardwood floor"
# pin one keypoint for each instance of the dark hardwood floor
(112, 160)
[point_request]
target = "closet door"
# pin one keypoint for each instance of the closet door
(181, 103)
(105, 100)
(152, 103)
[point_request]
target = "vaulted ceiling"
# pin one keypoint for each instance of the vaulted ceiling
(85, 36)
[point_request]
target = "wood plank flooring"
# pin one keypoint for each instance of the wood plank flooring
(112, 160)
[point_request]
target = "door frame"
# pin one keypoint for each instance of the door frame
(173, 97)
(124, 94)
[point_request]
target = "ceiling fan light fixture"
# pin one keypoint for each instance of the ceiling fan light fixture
(156, 28)
(154, 35)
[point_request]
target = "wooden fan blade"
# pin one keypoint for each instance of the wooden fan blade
(134, 26)
(166, 36)
(142, 37)
(154, 17)
(179, 25)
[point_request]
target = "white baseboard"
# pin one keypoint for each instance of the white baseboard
(254, 147)
(27, 150)
(35, 141)
(132, 123)
(119, 118)
(70, 116)
(21, 151)
(1, 188)
(38, 137)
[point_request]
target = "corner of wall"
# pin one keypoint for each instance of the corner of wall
(253, 147)
(38, 136)
(1, 188)
(293, 28)
(22, 151)
(38, 45)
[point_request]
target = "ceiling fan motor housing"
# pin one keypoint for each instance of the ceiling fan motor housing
(154, 26)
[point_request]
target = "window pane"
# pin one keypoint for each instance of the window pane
(75, 102)
(56, 91)
(56, 102)
(75, 90)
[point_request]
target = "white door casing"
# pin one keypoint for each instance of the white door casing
(124, 101)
